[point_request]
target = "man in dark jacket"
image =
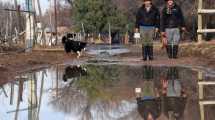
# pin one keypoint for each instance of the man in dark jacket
(171, 22)
(147, 23)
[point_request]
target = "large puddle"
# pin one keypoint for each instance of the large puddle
(109, 92)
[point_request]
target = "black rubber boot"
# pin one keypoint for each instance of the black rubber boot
(168, 50)
(171, 51)
(151, 57)
(175, 51)
(144, 52)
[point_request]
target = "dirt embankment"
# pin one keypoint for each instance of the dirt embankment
(204, 52)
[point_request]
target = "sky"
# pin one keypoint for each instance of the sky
(44, 3)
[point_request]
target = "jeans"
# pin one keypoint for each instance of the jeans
(147, 35)
(173, 36)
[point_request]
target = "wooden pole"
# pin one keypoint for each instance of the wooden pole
(34, 21)
(55, 14)
(7, 27)
(200, 6)
(19, 22)
(206, 11)
(30, 26)
(206, 31)
(11, 93)
(32, 98)
(201, 92)
(41, 94)
(83, 30)
(19, 99)
(18, 17)
(10, 28)
(57, 81)
(202, 111)
(17, 7)
(110, 39)
(50, 24)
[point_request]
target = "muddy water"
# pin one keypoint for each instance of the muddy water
(109, 92)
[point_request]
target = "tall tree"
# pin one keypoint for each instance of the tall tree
(97, 14)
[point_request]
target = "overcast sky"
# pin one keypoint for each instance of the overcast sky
(44, 3)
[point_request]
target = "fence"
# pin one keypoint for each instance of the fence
(202, 11)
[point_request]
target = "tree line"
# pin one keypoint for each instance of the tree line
(95, 15)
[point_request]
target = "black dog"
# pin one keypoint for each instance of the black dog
(71, 45)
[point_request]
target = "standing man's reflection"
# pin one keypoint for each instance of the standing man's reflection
(166, 102)
(174, 95)
(147, 96)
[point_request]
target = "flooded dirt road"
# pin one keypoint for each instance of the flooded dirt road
(109, 83)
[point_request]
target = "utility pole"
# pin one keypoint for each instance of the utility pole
(55, 14)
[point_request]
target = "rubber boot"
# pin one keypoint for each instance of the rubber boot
(144, 52)
(168, 50)
(175, 51)
(171, 51)
(150, 53)
(147, 51)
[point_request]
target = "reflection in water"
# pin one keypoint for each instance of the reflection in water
(174, 95)
(93, 80)
(148, 101)
(74, 72)
(203, 100)
(168, 98)
(101, 92)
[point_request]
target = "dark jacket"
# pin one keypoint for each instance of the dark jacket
(151, 18)
(172, 18)
(152, 106)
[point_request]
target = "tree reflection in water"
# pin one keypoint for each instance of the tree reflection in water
(88, 95)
